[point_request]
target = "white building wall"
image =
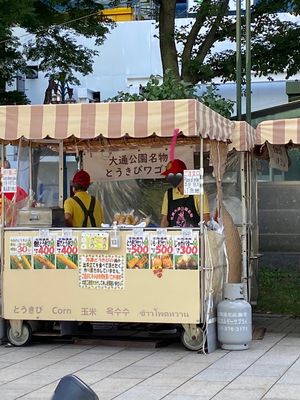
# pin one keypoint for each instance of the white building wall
(131, 54)
(232, 4)
(128, 56)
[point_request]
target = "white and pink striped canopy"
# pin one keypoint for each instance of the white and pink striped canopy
(117, 120)
(243, 136)
(279, 131)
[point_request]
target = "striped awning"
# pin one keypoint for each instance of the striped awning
(113, 120)
(243, 136)
(279, 131)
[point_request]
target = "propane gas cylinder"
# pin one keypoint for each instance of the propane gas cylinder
(234, 319)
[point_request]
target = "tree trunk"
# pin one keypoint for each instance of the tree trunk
(192, 75)
(48, 91)
(166, 37)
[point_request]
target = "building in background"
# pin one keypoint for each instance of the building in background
(131, 54)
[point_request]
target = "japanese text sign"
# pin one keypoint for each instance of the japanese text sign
(193, 182)
(9, 180)
(141, 163)
(278, 157)
(101, 271)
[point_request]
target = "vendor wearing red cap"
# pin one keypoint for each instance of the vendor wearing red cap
(82, 210)
(179, 209)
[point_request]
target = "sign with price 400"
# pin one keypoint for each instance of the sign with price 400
(69, 250)
(44, 250)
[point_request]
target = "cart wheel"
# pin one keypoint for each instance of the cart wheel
(23, 339)
(193, 344)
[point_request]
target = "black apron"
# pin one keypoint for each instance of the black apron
(182, 212)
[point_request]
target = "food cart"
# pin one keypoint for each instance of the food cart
(110, 274)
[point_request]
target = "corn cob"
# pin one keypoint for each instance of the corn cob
(17, 262)
(26, 263)
(65, 260)
(48, 264)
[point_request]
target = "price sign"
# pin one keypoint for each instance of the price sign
(186, 245)
(161, 245)
(66, 245)
(44, 252)
(161, 252)
(66, 252)
(137, 252)
(20, 252)
(44, 245)
(137, 245)
(186, 251)
(20, 245)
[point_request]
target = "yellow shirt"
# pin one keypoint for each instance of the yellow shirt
(177, 195)
(73, 208)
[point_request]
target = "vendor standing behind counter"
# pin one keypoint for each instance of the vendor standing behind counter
(82, 210)
(179, 209)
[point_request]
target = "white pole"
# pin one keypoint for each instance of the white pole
(202, 260)
(61, 175)
(30, 172)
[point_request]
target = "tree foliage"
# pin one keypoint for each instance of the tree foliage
(54, 26)
(171, 89)
(190, 51)
(13, 97)
(11, 59)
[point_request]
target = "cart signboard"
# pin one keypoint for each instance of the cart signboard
(101, 287)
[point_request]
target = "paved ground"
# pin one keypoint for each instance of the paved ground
(269, 370)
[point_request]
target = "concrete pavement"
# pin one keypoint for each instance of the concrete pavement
(269, 369)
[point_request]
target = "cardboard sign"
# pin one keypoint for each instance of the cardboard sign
(278, 157)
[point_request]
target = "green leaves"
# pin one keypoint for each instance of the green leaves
(274, 43)
(172, 89)
(55, 24)
(169, 88)
(278, 290)
(13, 97)
(216, 102)
(60, 56)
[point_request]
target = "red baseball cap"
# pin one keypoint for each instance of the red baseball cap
(81, 178)
(174, 167)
